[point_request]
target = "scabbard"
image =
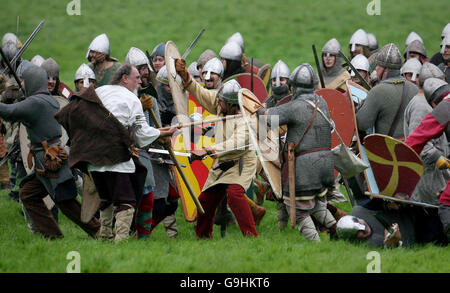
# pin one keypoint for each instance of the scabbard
(291, 170)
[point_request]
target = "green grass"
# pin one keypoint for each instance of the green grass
(274, 251)
(272, 30)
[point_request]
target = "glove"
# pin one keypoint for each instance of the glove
(443, 163)
(180, 67)
(146, 101)
(393, 237)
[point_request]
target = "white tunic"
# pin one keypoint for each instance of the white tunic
(127, 108)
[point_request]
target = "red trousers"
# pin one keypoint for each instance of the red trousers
(210, 200)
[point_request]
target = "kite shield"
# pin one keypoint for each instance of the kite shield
(179, 94)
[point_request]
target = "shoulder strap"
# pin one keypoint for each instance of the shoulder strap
(316, 107)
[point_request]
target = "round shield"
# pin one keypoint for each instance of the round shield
(179, 95)
(264, 140)
(256, 86)
(341, 113)
(396, 166)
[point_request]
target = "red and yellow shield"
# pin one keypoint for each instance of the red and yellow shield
(397, 167)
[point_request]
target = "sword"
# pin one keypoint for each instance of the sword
(158, 151)
(11, 69)
(150, 60)
(364, 82)
(322, 83)
(193, 44)
(30, 38)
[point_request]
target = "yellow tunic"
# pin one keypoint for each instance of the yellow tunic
(229, 135)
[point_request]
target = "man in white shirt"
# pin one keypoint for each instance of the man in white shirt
(116, 183)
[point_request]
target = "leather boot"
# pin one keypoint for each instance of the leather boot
(106, 220)
(124, 219)
(258, 213)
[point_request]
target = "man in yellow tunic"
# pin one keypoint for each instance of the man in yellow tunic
(236, 163)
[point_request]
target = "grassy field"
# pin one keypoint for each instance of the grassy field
(272, 30)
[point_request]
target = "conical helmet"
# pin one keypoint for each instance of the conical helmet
(389, 57)
(163, 76)
(231, 51)
(159, 50)
(373, 42)
(446, 31)
(136, 58)
(280, 69)
(205, 57)
(303, 76)
(213, 66)
(431, 88)
(237, 38)
(429, 70)
(192, 69)
(10, 45)
(51, 67)
(412, 37)
(229, 92)
(360, 62)
(445, 42)
(348, 226)
(99, 44)
(332, 47)
(85, 73)
(412, 66)
(359, 38)
(416, 46)
(37, 60)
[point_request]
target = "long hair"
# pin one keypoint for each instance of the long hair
(117, 75)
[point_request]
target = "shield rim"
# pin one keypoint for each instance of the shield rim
(278, 193)
(179, 94)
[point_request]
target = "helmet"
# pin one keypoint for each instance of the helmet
(163, 76)
(99, 44)
(229, 92)
(10, 45)
(231, 51)
(360, 62)
(429, 70)
(213, 66)
(445, 42)
(416, 46)
(85, 73)
(373, 42)
(412, 37)
(37, 60)
(237, 38)
(389, 57)
(411, 66)
(348, 226)
(159, 50)
(51, 67)
(136, 57)
(431, 89)
(193, 69)
(446, 31)
(332, 47)
(22, 67)
(359, 38)
(280, 69)
(303, 76)
(205, 57)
